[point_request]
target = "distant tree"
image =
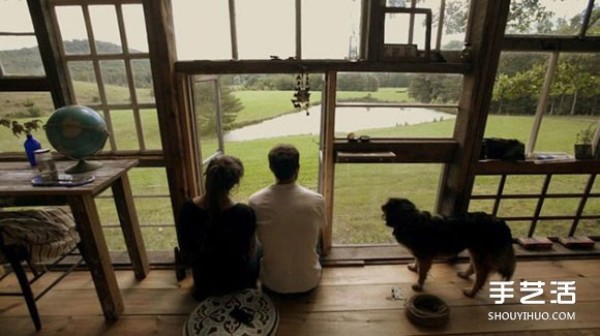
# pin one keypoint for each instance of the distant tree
(524, 16)
(205, 106)
(428, 88)
(357, 82)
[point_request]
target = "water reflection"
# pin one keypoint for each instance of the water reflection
(348, 119)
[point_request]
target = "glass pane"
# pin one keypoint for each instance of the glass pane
(14, 17)
(397, 29)
(73, 30)
(453, 25)
(519, 229)
(106, 29)
(135, 28)
(523, 184)
(142, 77)
(560, 207)
(124, 130)
(481, 205)
(568, 184)
(260, 36)
(361, 189)
(517, 207)
(486, 185)
(321, 39)
(356, 91)
(84, 82)
(20, 56)
(205, 106)
(202, 29)
(553, 228)
(553, 17)
(116, 86)
(151, 131)
(23, 107)
(259, 106)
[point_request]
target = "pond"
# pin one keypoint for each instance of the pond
(348, 119)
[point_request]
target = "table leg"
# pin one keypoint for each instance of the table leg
(130, 226)
(95, 253)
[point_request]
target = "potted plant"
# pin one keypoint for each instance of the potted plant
(31, 144)
(583, 144)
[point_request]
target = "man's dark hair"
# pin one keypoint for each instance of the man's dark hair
(284, 161)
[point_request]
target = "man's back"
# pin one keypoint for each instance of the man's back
(289, 220)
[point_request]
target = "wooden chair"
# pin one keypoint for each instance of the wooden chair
(41, 239)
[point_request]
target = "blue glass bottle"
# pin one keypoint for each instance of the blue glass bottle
(31, 145)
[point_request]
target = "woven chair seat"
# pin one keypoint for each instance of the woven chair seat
(44, 234)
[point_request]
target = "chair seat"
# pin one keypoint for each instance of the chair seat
(215, 315)
(45, 234)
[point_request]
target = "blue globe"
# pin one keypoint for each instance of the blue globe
(77, 132)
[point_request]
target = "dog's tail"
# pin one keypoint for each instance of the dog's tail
(508, 262)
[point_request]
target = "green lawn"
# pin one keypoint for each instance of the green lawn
(359, 189)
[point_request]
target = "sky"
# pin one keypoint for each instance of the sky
(202, 26)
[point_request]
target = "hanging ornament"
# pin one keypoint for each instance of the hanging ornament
(302, 94)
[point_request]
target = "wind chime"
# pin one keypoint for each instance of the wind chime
(302, 93)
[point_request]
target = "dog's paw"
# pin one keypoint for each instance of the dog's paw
(469, 293)
(416, 287)
(463, 274)
(412, 267)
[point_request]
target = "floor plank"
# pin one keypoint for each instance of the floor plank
(353, 300)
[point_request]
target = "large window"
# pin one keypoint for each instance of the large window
(306, 29)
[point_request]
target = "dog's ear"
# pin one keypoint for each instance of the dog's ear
(396, 210)
(401, 205)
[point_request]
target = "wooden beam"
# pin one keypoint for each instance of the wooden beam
(551, 43)
(486, 33)
(327, 168)
(163, 54)
(496, 167)
(395, 151)
(49, 46)
(24, 84)
(294, 66)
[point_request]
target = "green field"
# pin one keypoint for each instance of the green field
(360, 189)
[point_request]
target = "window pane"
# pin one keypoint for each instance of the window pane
(106, 29)
(23, 107)
(205, 106)
(20, 56)
(73, 30)
(142, 77)
(84, 83)
(553, 17)
(262, 36)
(453, 25)
(151, 132)
(202, 29)
(356, 91)
(320, 38)
(14, 17)
(124, 130)
(573, 102)
(135, 28)
(361, 189)
(116, 86)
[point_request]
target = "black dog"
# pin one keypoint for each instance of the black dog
(488, 240)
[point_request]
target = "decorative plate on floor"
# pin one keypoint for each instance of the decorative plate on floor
(246, 312)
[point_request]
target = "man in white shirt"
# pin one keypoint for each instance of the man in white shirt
(289, 223)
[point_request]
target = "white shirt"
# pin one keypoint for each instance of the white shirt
(289, 221)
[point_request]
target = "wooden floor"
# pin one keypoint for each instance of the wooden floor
(350, 301)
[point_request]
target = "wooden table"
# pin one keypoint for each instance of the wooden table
(16, 190)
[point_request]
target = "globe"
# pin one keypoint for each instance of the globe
(77, 132)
